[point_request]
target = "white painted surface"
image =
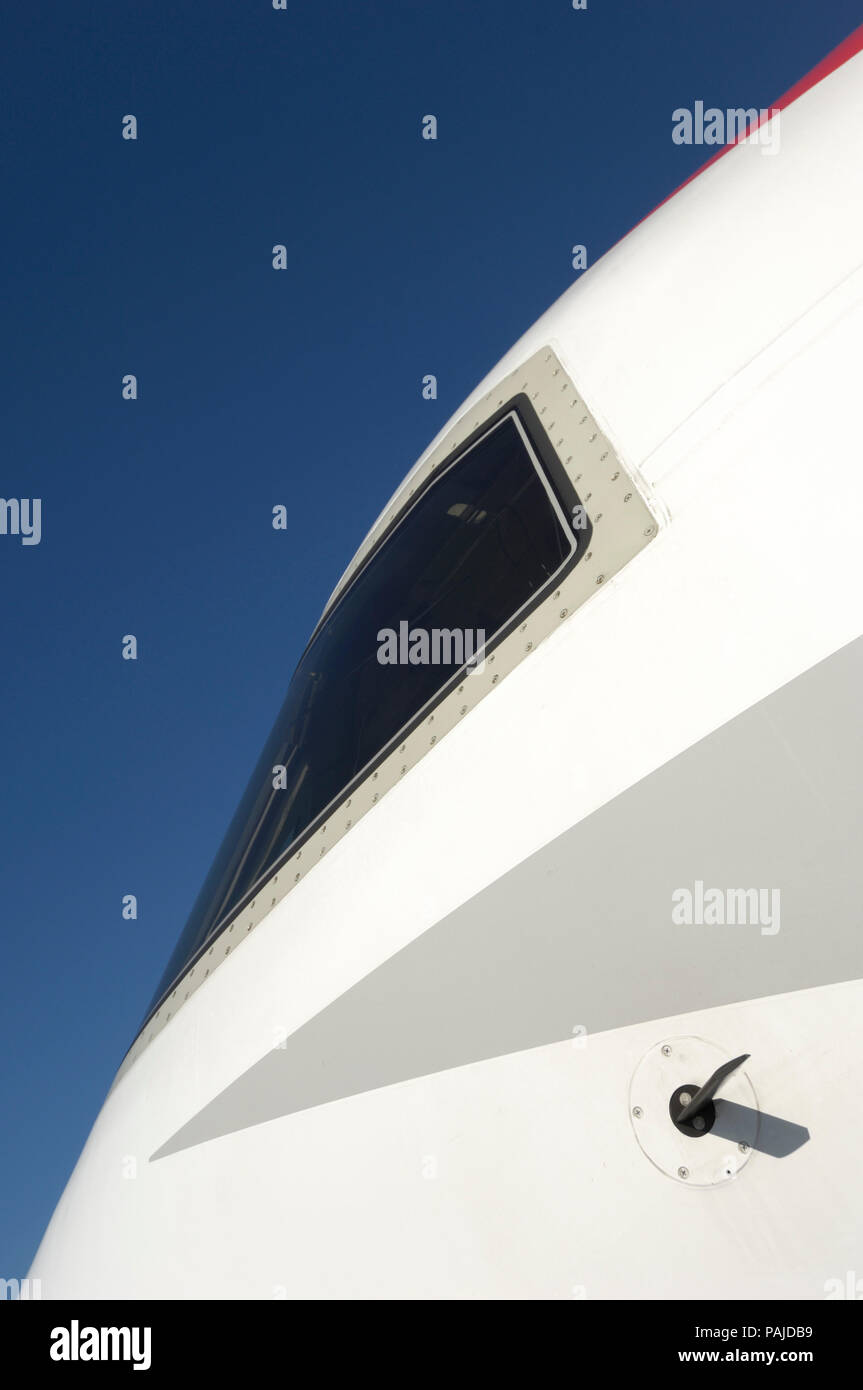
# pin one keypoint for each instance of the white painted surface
(719, 346)
(539, 1187)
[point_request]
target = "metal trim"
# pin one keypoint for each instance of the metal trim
(622, 524)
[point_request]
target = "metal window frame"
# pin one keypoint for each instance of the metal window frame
(581, 463)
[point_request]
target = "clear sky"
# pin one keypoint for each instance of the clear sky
(256, 388)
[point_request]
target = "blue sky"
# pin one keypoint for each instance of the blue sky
(256, 387)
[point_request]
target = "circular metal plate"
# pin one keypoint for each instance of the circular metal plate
(710, 1159)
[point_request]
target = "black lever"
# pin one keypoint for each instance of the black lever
(699, 1113)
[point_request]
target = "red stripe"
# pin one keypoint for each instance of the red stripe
(848, 48)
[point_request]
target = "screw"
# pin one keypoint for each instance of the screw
(683, 1173)
(666, 1050)
(637, 1111)
(744, 1148)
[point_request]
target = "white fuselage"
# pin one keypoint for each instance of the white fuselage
(414, 1077)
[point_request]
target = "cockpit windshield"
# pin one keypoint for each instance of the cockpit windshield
(480, 544)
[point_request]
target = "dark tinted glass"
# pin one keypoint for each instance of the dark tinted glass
(479, 543)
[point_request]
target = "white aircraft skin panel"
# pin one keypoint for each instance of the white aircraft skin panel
(754, 578)
(584, 928)
(539, 1189)
(643, 671)
(668, 316)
